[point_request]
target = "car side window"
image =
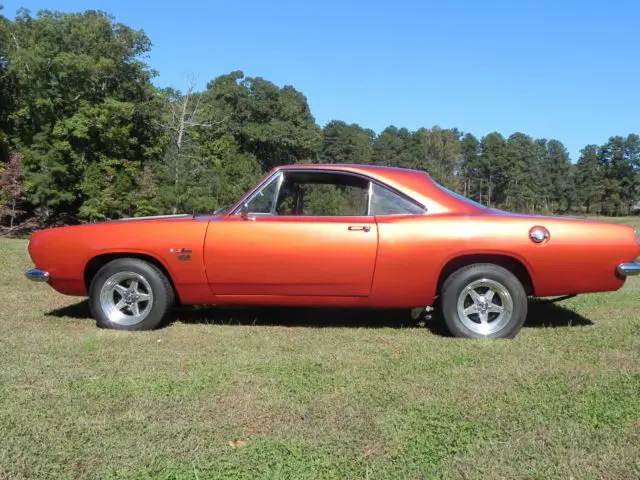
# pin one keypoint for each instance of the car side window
(322, 194)
(263, 202)
(386, 202)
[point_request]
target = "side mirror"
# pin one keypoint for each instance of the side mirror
(244, 212)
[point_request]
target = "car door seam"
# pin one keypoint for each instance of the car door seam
(375, 261)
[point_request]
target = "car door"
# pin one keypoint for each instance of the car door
(303, 233)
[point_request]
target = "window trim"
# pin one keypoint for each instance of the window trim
(278, 176)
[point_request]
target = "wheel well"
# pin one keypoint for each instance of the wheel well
(514, 265)
(96, 263)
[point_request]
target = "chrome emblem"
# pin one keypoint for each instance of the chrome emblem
(179, 250)
(538, 234)
(183, 253)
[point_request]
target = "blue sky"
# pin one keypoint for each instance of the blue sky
(553, 69)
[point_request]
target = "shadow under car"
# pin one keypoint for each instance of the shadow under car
(542, 313)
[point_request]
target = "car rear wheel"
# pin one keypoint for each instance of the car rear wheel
(130, 294)
(483, 301)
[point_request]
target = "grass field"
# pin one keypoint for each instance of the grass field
(266, 394)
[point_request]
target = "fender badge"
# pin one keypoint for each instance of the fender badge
(179, 250)
(183, 253)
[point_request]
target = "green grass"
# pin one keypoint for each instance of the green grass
(562, 400)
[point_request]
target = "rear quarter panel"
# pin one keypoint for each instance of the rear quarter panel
(579, 257)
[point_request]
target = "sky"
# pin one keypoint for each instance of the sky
(560, 69)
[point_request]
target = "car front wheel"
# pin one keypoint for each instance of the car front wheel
(130, 294)
(483, 301)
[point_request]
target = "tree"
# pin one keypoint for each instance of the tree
(342, 143)
(470, 170)
(146, 202)
(11, 187)
(273, 124)
(619, 158)
(6, 97)
(589, 179)
(439, 149)
(83, 109)
(522, 179)
(557, 172)
(183, 116)
(390, 147)
(493, 168)
(228, 172)
(435, 150)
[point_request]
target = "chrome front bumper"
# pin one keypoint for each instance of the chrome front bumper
(628, 269)
(37, 275)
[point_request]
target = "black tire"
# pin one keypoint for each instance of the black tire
(457, 282)
(162, 294)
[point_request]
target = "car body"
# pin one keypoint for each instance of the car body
(343, 236)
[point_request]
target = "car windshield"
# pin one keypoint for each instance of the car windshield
(460, 197)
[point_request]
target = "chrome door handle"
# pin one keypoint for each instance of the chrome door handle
(362, 228)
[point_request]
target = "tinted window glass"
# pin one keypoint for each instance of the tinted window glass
(263, 201)
(460, 197)
(322, 194)
(385, 202)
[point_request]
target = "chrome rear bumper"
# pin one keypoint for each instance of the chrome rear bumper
(37, 275)
(628, 269)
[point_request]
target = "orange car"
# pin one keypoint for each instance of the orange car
(340, 236)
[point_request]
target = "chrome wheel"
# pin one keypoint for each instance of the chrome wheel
(126, 298)
(485, 306)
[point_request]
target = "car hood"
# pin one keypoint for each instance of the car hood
(152, 217)
(128, 221)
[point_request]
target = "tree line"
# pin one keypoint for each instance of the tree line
(86, 136)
